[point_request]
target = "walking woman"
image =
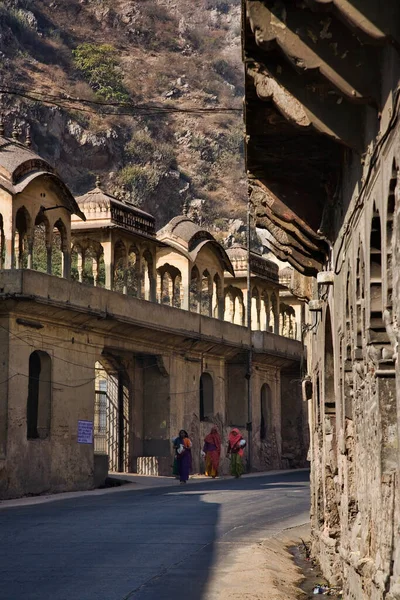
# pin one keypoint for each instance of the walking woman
(236, 446)
(183, 455)
(212, 452)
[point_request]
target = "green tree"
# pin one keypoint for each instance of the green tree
(99, 65)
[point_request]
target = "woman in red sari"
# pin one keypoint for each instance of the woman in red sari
(212, 451)
(236, 445)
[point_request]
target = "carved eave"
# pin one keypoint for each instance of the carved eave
(312, 42)
(312, 80)
(291, 238)
(375, 20)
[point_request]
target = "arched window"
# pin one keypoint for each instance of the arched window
(39, 396)
(229, 310)
(347, 372)
(167, 289)
(133, 272)
(41, 245)
(377, 330)
(23, 232)
(206, 397)
(389, 237)
(177, 296)
(266, 411)
(58, 256)
(206, 294)
(360, 308)
(239, 316)
(329, 388)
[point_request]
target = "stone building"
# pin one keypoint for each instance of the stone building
(323, 152)
(98, 369)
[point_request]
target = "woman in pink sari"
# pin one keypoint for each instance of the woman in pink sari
(236, 447)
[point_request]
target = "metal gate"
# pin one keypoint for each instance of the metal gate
(111, 425)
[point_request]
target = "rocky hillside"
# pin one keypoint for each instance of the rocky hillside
(92, 60)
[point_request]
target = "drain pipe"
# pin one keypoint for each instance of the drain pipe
(249, 425)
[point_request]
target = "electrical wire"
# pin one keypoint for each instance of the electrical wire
(136, 390)
(130, 108)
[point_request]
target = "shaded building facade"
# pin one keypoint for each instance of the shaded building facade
(99, 366)
(323, 150)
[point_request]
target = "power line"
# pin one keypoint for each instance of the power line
(120, 108)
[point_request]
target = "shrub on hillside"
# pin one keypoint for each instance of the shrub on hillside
(144, 149)
(99, 65)
(140, 181)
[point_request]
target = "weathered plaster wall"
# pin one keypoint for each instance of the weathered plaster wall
(354, 416)
(161, 353)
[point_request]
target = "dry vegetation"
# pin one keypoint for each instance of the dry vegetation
(180, 52)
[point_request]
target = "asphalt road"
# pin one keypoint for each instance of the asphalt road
(156, 544)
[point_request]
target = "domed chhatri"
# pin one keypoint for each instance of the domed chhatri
(34, 202)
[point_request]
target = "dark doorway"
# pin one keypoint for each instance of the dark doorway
(206, 397)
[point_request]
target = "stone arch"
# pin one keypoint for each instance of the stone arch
(329, 370)
(390, 209)
(167, 287)
(377, 330)
(266, 411)
(112, 412)
(177, 291)
(206, 293)
(148, 283)
(41, 244)
(59, 251)
(133, 279)
(38, 410)
(229, 305)
(360, 303)
(206, 397)
(23, 239)
(347, 356)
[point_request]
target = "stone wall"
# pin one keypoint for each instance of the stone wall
(354, 412)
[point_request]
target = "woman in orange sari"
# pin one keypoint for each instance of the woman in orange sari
(212, 451)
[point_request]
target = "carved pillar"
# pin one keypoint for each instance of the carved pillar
(108, 251)
(185, 291)
(48, 256)
(17, 250)
(159, 288)
(210, 297)
(66, 264)
(140, 275)
(81, 264)
(29, 243)
(95, 269)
